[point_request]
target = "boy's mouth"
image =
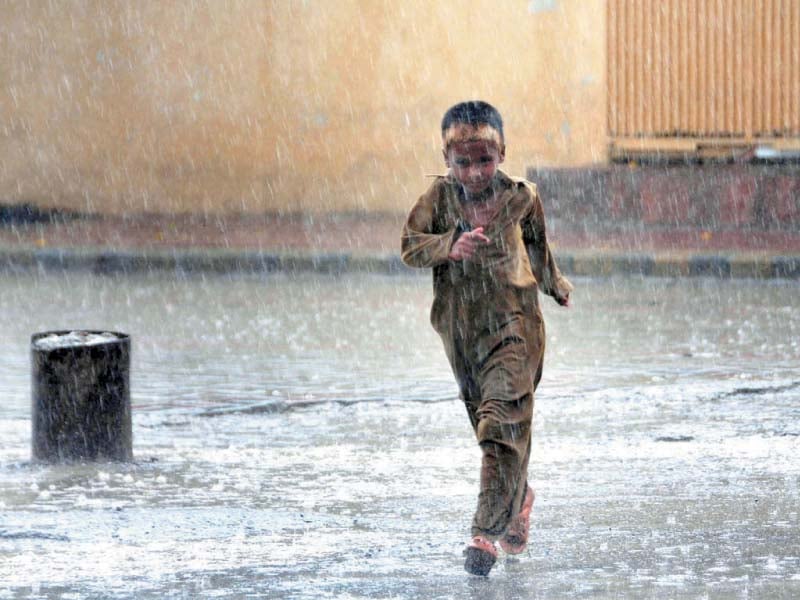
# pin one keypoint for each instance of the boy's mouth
(476, 186)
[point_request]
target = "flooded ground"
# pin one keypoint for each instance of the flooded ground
(299, 437)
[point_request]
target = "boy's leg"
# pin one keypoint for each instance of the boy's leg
(504, 435)
(498, 396)
(508, 378)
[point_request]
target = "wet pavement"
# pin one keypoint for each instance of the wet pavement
(300, 437)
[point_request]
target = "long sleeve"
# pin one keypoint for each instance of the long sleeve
(543, 263)
(422, 244)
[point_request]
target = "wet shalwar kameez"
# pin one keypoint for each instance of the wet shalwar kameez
(486, 310)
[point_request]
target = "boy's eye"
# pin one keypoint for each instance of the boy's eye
(486, 159)
(462, 162)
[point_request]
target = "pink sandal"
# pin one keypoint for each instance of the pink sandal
(516, 538)
(481, 555)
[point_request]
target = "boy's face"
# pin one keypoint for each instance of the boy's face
(474, 164)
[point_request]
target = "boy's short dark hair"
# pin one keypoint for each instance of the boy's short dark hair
(473, 112)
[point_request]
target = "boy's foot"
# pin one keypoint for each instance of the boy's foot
(516, 538)
(480, 556)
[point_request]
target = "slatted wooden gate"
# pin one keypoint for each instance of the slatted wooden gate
(689, 75)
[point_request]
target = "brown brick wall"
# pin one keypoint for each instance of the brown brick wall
(713, 197)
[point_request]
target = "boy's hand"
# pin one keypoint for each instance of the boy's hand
(467, 243)
(561, 291)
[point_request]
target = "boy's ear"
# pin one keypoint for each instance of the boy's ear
(446, 158)
(502, 153)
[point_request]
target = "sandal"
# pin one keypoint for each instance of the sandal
(480, 555)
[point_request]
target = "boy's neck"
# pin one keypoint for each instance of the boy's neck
(483, 196)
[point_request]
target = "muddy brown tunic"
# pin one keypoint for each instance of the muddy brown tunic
(486, 311)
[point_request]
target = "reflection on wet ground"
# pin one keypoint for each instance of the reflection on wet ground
(300, 438)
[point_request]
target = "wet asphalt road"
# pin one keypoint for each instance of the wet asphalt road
(301, 438)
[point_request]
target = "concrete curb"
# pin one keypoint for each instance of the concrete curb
(186, 262)
(199, 261)
(758, 266)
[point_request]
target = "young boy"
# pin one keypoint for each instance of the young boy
(483, 234)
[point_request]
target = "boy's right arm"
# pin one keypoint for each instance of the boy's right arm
(421, 244)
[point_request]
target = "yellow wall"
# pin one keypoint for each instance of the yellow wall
(282, 105)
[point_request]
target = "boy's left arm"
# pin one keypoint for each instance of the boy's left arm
(543, 263)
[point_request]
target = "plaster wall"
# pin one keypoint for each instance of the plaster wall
(244, 106)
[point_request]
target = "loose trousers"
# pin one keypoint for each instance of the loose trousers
(498, 393)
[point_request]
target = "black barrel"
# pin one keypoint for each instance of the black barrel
(81, 404)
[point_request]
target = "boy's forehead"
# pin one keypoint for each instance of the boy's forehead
(472, 148)
(461, 133)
